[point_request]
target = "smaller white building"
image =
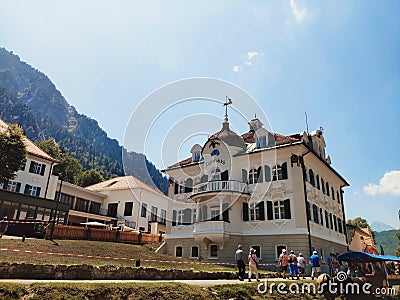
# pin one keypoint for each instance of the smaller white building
(134, 203)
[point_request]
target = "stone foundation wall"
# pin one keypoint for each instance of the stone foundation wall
(31, 271)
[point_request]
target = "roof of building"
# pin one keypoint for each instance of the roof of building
(249, 138)
(122, 183)
(31, 148)
(228, 136)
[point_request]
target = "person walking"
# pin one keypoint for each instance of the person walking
(283, 262)
(293, 269)
(329, 260)
(3, 226)
(315, 262)
(253, 264)
(239, 258)
(301, 263)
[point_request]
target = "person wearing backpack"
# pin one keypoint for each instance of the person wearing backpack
(293, 269)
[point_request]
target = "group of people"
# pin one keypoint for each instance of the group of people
(292, 265)
(252, 261)
(334, 264)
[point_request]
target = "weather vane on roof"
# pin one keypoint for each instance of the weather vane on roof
(228, 101)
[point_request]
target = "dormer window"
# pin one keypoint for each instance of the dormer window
(261, 137)
(196, 153)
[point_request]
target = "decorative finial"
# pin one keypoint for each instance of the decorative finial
(228, 101)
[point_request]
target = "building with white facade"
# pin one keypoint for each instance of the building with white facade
(261, 190)
(135, 204)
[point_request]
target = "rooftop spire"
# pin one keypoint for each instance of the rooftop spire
(228, 101)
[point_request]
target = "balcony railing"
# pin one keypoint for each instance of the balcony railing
(218, 186)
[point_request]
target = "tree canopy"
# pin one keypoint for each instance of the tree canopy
(358, 222)
(89, 177)
(69, 169)
(12, 152)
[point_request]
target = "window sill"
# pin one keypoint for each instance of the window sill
(213, 258)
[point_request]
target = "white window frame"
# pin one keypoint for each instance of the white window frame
(32, 190)
(277, 172)
(262, 141)
(252, 176)
(12, 186)
(179, 217)
(163, 217)
(254, 212)
(216, 174)
(214, 212)
(281, 209)
(194, 215)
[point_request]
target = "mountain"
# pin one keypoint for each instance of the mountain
(388, 240)
(379, 226)
(29, 98)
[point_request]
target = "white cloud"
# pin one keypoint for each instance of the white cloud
(252, 54)
(236, 68)
(298, 14)
(249, 63)
(389, 183)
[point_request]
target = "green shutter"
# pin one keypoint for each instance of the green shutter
(18, 188)
(225, 212)
(26, 191)
(244, 175)
(174, 216)
(270, 212)
(287, 209)
(32, 167)
(43, 169)
(284, 171)
(245, 211)
(261, 210)
(38, 192)
(267, 172)
(259, 174)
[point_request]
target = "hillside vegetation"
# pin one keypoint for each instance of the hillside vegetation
(29, 98)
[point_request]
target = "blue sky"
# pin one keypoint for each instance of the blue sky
(339, 61)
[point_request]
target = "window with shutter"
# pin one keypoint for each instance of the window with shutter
(259, 175)
(261, 211)
(284, 171)
(225, 212)
(176, 188)
(245, 211)
(321, 218)
(308, 211)
(311, 175)
(26, 190)
(270, 213)
(288, 214)
(244, 176)
(42, 169)
(267, 171)
(37, 193)
(174, 216)
(187, 216)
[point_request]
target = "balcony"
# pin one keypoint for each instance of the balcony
(211, 232)
(220, 186)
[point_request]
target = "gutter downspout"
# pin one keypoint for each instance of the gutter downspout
(48, 179)
(344, 217)
(303, 168)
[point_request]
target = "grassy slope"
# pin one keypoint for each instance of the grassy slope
(93, 248)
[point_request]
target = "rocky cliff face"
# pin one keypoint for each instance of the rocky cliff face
(29, 98)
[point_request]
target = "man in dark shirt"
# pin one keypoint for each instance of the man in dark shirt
(239, 257)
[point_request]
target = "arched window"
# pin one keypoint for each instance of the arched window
(311, 175)
(327, 188)
(323, 185)
(195, 252)
(188, 185)
(252, 176)
(279, 172)
(267, 171)
(178, 251)
(213, 251)
(333, 193)
(317, 182)
(315, 213)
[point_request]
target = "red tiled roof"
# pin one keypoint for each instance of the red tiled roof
(279, 139)
(248, 137)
